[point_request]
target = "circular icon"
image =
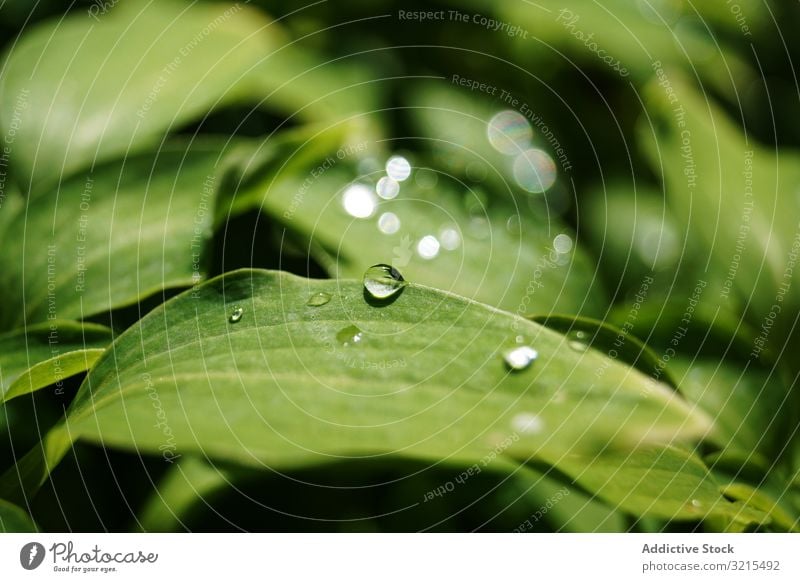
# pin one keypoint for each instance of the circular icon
(31, 555)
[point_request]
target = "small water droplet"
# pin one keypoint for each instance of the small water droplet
(578, 340)
(383, 281)
(514, 225)
(450, 239)
(697, 503)
(428, 247)
(398, 168)
(520, 358)
(350, 336)
(387, 188)
(527, 423)
(520, 339)
(318, 299)
(236, 314)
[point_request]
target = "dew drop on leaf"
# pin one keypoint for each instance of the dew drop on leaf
(236, 314)
(520, 358)
(318, 299)
(383, 281)
(578, 341)
(527, 423)
(350, 336)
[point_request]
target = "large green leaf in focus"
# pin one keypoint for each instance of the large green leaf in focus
(47, 353)
(290, 384)
(110, 237)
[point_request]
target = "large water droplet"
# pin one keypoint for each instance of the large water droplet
(535, 171)
(387, 188)
(527, 423)
(236, 314)
(398, 168)
(428, 247)
(509, 132)
(350, 336)
(358, 201)
(520, 358)
(318, 299)
(383, 281)
(388, 223)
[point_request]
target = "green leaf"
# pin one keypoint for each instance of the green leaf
(86, 90)
(776, 506)
(111, 237)
(83, 90)
(620, 37)
(583, 333)
(656, 481)
(502, 255)
(188, 482)
(46, 354)
(14, 519)
(713, 176)
(427, 379)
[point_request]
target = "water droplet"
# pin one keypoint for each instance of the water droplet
(428, 247)
(578, 340)
(520, 358)
(236, 314)
(383, 281)
(535, 171)
(514, 225)
(318, 299)
(358, 201)
(388, 223)
(387, 188)
(398, 168)
(562, 243)
(527, 423)
(450, 239)
(350, 336)
(520, 339)
(509, 132)
(697, 503)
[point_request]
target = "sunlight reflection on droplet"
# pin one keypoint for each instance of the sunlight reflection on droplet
(358, 201)
(534, 170)
(387, 188)
(450, 239)
(428, 247)
(388, 223)
(562, 243)
(509, 133)
(398, 168)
